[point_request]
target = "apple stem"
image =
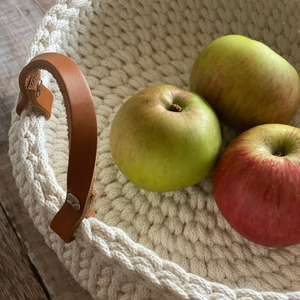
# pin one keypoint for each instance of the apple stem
(175, 107)
(281, 152)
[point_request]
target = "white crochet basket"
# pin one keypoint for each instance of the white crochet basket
(144, 245)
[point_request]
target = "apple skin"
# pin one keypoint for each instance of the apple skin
(256, 184)
(161, 150)
(246, 82)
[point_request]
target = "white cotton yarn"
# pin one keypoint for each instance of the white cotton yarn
(145, 245)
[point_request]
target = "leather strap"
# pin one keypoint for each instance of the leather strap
(82, 126)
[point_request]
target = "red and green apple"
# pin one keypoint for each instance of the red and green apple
(246, 82)
(256, 184)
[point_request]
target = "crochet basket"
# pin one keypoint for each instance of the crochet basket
(145, 245)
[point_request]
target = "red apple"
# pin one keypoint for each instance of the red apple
(256, 185)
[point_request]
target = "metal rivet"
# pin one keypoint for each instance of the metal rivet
(38, 92)
(73, 201)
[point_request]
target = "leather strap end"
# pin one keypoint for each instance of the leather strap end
(39, 97)
(67, 220)
(70, 219)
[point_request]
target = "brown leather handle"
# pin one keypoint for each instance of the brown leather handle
(82, 126)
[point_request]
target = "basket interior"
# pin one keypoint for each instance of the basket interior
(123, 47)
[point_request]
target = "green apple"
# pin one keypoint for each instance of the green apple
(165, 138)
(246, 82)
